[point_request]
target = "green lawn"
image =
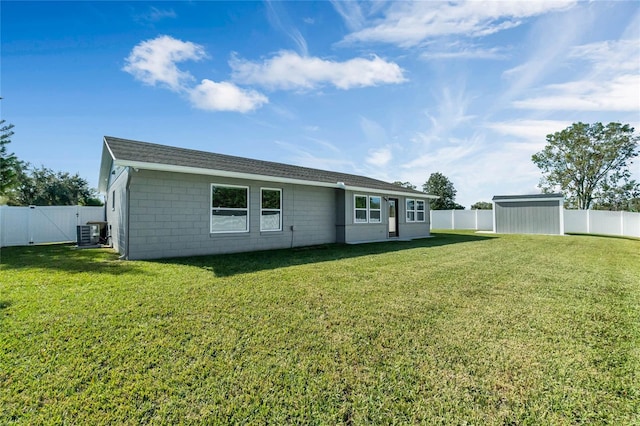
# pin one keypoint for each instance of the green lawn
(461, 328)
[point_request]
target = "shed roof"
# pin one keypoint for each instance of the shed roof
(144, 155)
(529, 197)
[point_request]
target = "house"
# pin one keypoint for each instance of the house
(528, 214)
(165, 201)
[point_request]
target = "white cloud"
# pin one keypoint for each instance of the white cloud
(225, 96)
(612, 83)
(534, 131)
(154, 61)
(448, 116)
(408, 24)
(351, 13)
(469, 52)
(619, 94)
(276, 15)
(289, 71)
(305, 158)
(379, 157)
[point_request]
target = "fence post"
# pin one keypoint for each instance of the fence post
(621, 222)
(453, 219)
(2, 236)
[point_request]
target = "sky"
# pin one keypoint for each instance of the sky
(390, 90)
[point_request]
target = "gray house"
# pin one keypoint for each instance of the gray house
(528, 214)
(164, 201)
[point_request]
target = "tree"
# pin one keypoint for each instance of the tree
(44, 187)
(589, 162)
(407, 185)
(10, 166)
(438, 184)
(482, 205)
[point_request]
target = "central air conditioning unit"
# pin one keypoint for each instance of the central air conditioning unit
(88, 235)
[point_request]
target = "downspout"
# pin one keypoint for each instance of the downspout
(128, 204)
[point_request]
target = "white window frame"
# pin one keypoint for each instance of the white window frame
(356, 209)
(420, 211)
(212, 208)
(367, 209)
(371, 220)
(415, 211)
(262, 210)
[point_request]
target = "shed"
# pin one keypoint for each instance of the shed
(528, 214)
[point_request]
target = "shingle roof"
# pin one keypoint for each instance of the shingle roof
(127, 152)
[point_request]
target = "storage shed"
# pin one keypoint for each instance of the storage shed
(528, 214)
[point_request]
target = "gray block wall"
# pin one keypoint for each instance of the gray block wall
(359, 232)
(116, 207)
(170, 216)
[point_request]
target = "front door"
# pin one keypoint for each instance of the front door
(393, 217)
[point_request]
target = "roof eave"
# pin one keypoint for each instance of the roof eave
(106, 163)
(250, 176)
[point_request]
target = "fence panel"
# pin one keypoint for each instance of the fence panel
(575, 221)
(485, 220)
(14, 226)
(44, 224)
(631, 224)
(480, 220)
(441, 219)
(464, 219)
(605, 222)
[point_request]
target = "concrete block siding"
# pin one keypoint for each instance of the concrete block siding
(170, 216)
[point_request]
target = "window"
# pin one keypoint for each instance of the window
(229, 208)
(360, 209)
(375, 209)
(420, 210)
(415, 210)
(270, 209)
(367, 209)
(113, 200)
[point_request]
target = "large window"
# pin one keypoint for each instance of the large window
(415, 210)
(367, 209)
(270, 209)
(229, 208)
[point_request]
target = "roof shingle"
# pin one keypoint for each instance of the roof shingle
(124, 150)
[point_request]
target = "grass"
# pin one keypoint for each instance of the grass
(456, 329)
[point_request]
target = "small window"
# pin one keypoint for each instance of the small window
(415, 210)
(420, 210)
(271, 209)
(375, 209)
(360, 209)
(113, 200)
(229, 208)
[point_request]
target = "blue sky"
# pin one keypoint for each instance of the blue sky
(391, 90)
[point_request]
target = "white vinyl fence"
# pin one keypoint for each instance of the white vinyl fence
(575, 221)
(480, 220)
(22, 226)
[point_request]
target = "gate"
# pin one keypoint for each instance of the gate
(21, 226)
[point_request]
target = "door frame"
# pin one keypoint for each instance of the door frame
(392, 228)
